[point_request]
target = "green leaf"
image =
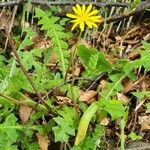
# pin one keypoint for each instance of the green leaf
(134, 4)
(114, 86)
(2, 60)
(114, 107)
(66, 124)
(85, 53)
(148, 107)
(84, 122)
(142, 61)
(31, 146)
(141, 95)
(133, 136)
(31, 59)
(9, 133)
(17, 82)
(93, 60)
(28, 38)
(6, 128)
(92, 141)
(58, 37)
(60, 134)
(146, 45)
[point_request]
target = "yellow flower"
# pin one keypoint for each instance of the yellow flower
(84, 17)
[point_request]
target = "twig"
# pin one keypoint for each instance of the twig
(49, 3)
(95, 81)
(98, 4)
(140, 8)
(12, 43)
(11, 24)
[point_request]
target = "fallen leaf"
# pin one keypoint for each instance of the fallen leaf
(144, 121)
(53, 58)
(102, 84)
(87, 96)
(146, 37)
(63, 100)
(38, 42)
(105, 121)
(128, 84)
(42, 141)
(139, 105)
(24, 113)
(123, 98)
(77, 70)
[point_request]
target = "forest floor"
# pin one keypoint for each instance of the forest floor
(63, 89)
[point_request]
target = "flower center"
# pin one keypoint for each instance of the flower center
(83, 17)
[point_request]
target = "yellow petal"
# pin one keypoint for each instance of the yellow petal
(82, 26)
(79, 8)
(76, 20)
(95, 19)
(74, 26)
(88, 9)
(89, 24)
(76, 10)
(83, 8)
(71, 16)
(94, 12)
(93, 24)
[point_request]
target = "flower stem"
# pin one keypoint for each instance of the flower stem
(73, 56)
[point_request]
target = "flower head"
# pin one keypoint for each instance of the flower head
(84, 16)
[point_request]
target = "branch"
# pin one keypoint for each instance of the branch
(50, 3)
(140, 8)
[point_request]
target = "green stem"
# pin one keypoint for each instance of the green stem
(110, 92)
(12, 100)
(61, 55)
(122, 126)
(122, 134)
(27, 102)
(73, 56)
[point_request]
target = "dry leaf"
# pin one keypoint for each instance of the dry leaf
(105, 121)
(87, 96)
(63, 100)
(24, 113)
(77, 71)
(39, 42)
(53, 58)
(128, 85)
(123, 98)
(146, 37)
(6, 18)
(118, 38)
(133, 55)
(102, 84)
(144, 121)
(42, 141)
(139, 105)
